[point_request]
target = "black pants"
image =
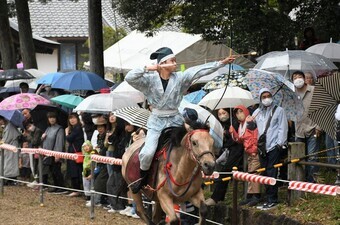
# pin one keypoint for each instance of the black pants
(273, 157)
(57, 176)
(116, 186)
(234, 159)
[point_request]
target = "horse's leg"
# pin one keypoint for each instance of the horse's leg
(198, 201)
(140, 209)
(167, 205)
(157, 213)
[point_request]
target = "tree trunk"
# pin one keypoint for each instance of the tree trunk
(96, 37)
(6, 43)
(25, 35)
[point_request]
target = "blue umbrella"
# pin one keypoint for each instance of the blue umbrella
(49, 78)
(13, 116)
(195, 96)
(80, 80)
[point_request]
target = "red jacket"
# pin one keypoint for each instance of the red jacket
(250, 133)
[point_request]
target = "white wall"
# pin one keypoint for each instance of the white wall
(47, 63)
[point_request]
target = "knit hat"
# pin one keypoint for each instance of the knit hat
(162, 54)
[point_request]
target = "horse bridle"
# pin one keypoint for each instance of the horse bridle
(196, 158)
(188, 143)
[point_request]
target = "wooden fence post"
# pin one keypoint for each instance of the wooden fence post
(295, 171)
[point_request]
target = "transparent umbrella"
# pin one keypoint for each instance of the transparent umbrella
(286, 62)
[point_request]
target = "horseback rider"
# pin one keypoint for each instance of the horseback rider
(164, 89)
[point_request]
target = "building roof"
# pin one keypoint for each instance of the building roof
(65, 18)
(69, 19)
(42, 45)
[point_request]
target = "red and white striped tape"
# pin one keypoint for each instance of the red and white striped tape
(29, 150)
(106, 160)
(8, 147)
(314, 188)
(62, 155)
(254, 178)
(215, 175)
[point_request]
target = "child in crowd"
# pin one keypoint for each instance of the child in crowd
(87, 150)
(24, 164)
(247, 134)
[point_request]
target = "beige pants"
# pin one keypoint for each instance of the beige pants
(253, 164)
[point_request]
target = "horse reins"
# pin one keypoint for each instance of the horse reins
(167, 169)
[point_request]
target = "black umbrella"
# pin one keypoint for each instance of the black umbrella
(15, 74)
(39, 116)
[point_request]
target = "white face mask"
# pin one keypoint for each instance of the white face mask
(299, 82)
(224, 118)
(267, 101)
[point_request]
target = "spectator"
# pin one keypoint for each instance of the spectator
(100, 173)
(34, 141)
(24, 164)
(53, 139)
(306, 130)
(273, 117)
(309, 78)
(247, 134)
(75, 139)
(24, 88)
(113, 137)
(232, 154)
(11, 159)
(87, 150)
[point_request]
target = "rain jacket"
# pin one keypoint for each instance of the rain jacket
(247, 133)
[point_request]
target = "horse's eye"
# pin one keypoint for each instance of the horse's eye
(194, 143)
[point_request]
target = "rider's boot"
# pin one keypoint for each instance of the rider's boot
(143, 181)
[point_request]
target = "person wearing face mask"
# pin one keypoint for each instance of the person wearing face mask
(231, 155)
(247, 135)
(306, 130)
(276, 138)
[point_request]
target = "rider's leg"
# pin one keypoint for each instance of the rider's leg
(145, 157)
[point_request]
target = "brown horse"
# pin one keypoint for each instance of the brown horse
(178, 178)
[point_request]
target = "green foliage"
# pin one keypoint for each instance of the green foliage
(245, 25)
(111, 36)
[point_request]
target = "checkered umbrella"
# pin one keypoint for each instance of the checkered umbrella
(325, 100)
(134, 115)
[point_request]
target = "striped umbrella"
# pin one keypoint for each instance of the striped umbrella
(325, 99)
(134, 115)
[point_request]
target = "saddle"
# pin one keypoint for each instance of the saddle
(133, 164)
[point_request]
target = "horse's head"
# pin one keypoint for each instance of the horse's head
(200, 144)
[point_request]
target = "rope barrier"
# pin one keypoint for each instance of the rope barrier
(106, 160)
(254, 178)
(314, 188)
(9, 147)
(63, 155)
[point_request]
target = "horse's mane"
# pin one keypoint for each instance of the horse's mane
(178, 133)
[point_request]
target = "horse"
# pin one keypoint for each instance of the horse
(178, 177)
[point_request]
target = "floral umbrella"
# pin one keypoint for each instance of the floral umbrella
(282, 90)
(22, 101)
(236, 79)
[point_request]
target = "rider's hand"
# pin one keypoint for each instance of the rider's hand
(228, 60)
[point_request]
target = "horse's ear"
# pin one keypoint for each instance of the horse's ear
(177, 135)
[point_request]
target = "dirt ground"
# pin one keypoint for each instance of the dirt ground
(20, 205)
